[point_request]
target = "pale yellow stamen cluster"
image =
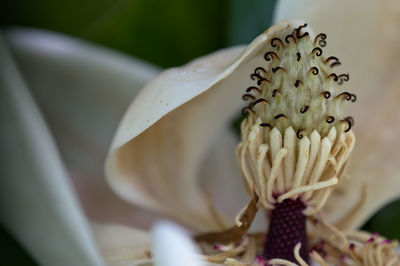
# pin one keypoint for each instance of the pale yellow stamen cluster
(354, 248)
(295, 142)
(280, 167)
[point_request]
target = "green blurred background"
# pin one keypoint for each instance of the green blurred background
(165, 33)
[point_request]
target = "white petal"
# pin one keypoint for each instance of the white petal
(364, 35)
(155, 156)
(37, 204)
(173, 246)
(83, 90)
(121, 245)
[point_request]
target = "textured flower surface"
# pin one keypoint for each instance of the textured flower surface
(174, 137)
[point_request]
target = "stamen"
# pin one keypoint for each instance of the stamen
(269, 55)
(260, 100)
(314, 70)
(298, 56)
(320, 39)
(290, 36)
(248, 96)
(304, 109)
(277, 43)
(317, 51)
(249, 89)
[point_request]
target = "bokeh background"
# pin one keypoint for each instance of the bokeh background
(165, 33)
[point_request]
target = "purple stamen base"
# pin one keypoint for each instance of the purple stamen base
(287, 228)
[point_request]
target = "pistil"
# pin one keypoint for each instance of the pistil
(287, 229)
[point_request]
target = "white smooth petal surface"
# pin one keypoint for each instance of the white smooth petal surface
(121, 245)
(37, 204)
(364, 35)
(155, 157)
(82, 90)
(173, 246)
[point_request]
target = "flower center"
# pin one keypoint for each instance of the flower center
(299, 88)
(287, 229)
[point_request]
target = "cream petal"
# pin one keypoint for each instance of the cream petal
(82, 90)
(37, 203)
(366, 40)
(375, 163)
(220, 176)
(122, 246)
(155, 157)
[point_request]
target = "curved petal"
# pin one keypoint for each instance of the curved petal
(37, 203)
(155, 156)
(375, 164)
(173, 246)
(121, 245)
(366, 40)
(82, 90)
(220, 176)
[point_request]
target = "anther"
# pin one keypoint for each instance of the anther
(258, 70)
(288, 37)
(248, 96)
(350, 123)
(305, 34)
(298, 29)
(259, 101)
(249, 89)
(343, 77)
(314, 70)
(326, 94)
(335, 59)
(274, 92)
(279, 116)
(259, 78)
(334, 76)
(320, 39)
(275, 45)
(317, 51)
(265, 125)
(330, 119)
(298, 56)
(299, 133)
(269, 55)
(275, 69)
(304, 109)
(347, 96)
(246, 110)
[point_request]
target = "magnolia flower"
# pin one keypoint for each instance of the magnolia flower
(169, 138)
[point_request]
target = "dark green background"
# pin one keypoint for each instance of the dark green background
(166, 33)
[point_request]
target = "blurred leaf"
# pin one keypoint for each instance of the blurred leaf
(12, 252)
(248, 19)
(166, 33)
(386, 221)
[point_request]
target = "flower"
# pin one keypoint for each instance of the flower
(304, 119)
(199, 90)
